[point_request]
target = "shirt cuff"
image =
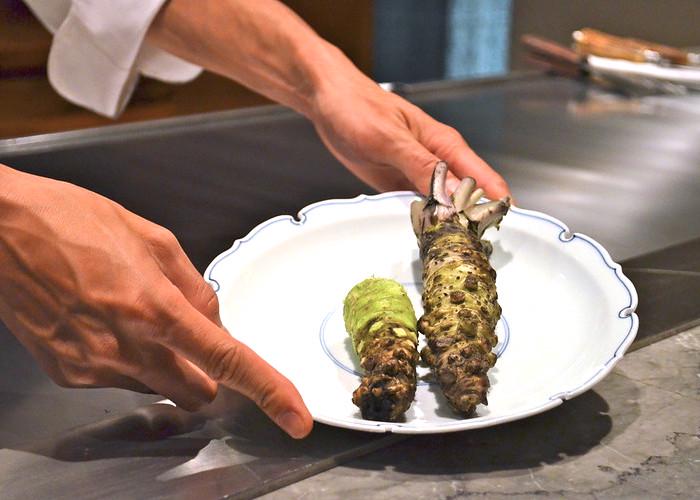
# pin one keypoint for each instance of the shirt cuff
(99, 52)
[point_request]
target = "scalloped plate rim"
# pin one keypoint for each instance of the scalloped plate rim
(564, 236)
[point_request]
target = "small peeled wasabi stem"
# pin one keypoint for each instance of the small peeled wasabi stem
(459, 288)
(381, 322)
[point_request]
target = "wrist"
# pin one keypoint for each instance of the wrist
(8, 201)
(325, 70)
(315, 60)
(331, 77)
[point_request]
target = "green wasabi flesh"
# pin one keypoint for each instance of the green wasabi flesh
(378, 307)
(381, 322)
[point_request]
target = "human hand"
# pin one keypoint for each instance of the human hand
(104, 298)
(390, 143)
(386, 141)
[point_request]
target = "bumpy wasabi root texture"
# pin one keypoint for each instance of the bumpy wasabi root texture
(381, 321)
(459, 288)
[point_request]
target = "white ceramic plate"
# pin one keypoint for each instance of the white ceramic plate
(568, 311)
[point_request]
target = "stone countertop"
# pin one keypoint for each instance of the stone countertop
(635, 435)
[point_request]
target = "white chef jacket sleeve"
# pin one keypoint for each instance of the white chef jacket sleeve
(99, 51)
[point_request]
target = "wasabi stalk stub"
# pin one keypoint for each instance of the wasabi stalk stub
(381, 322)
(459, 288)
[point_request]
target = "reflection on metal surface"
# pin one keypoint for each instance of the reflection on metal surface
(208, 458)
(602, 104)
(228, 448)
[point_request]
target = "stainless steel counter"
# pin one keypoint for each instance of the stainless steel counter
(626, 172)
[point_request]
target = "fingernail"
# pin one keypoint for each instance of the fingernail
(292, 424)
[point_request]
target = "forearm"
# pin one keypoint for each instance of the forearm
(6, 175)
(8, 182)
(261, 44)
(386, 141)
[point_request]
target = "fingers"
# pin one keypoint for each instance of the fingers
(414, 161)
(150, 369)
(122, 382)
(76, 377)
(417, 163)
(205, 351)
(448, 144)
(465, 163)
(176, 378)
(235, 365)
(178, 268)
(381, 176)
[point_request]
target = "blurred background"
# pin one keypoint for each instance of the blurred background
(391, 40)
